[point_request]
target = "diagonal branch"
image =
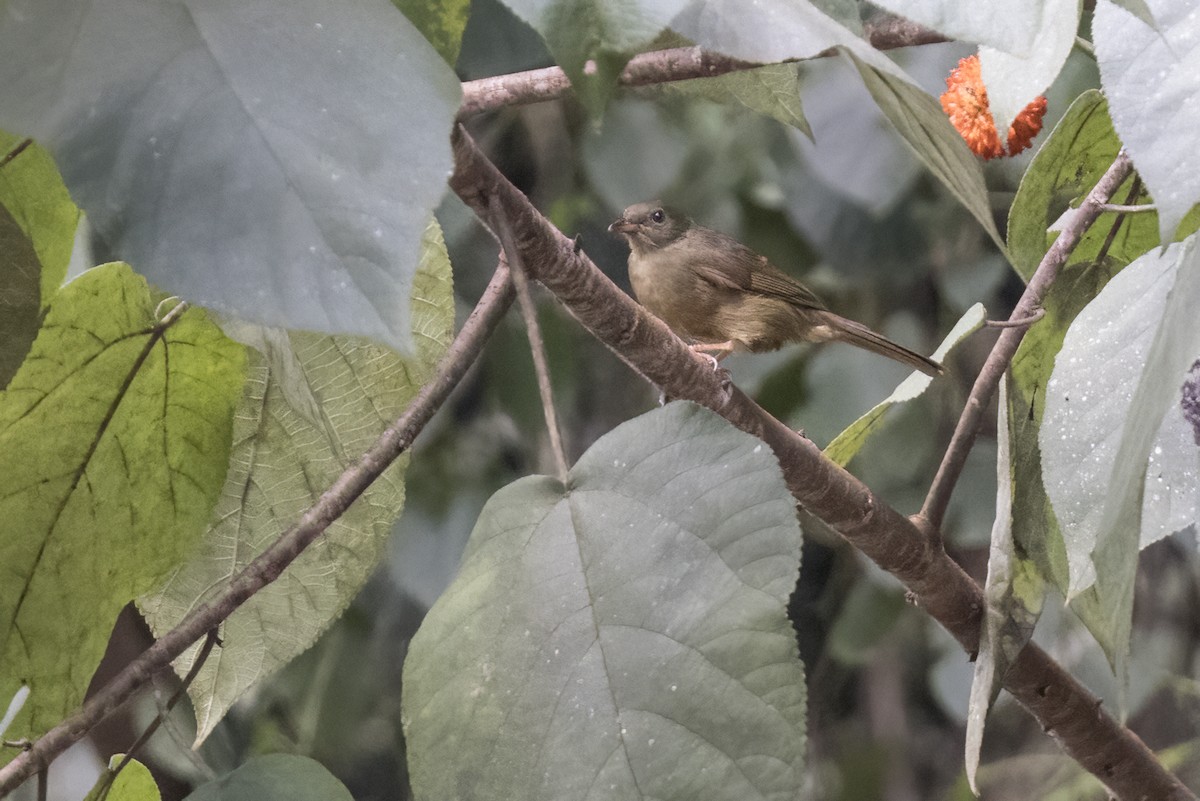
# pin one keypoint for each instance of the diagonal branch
(1064, 707)
(268, 565)
(933, 511)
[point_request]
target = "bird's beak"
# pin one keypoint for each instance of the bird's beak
(622, 226)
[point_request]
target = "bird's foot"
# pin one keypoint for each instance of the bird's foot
(716, 351)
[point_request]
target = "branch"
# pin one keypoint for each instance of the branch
(537, 345)
(268, 565)
(933, 511)
(883, 31)
(1062, 705)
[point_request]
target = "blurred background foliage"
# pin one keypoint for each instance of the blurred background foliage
(851, 213)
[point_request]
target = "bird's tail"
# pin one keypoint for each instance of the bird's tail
(863, 337)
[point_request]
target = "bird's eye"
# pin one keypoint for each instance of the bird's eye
(657, 215)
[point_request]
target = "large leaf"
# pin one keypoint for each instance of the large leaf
(274, 160)
(275, 777)
(114, 442)
(622, 637)
(848, 443)
(919, 118)
(312, 405)
(1011, 26)
(1121, 471)
(768, 30)
(1013, 80)
(37, 230)
(1149, 76)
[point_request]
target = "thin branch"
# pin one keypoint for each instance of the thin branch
(883, 31)
(1135, 188)
(536, 344)
(110, 776)
(1024, 322)
(268, 565)
(1063, 706)
(933, 511)
(1120, 208)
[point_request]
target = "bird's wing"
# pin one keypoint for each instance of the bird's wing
(771, 281)
(741, 269)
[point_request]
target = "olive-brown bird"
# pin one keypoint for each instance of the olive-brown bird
(718, 293)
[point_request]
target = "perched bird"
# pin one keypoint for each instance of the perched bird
(718, 293)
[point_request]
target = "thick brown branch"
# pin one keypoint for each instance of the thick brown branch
(268, 565)
(1064, 707)
(938, 498)
(660, 66)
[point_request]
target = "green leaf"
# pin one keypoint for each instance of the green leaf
(133, 783)
(1149, 76)
(607, 33)
(312, 405)
(919, 119)
(37, 229)
(848, 443)
(441, 22)
(33, 192)
(1078, 151)
(773, 90)
(277, 161)
(114, 442)
(1015, 79)
(1011, 26)
(1120, 466)
(275, 777)
(20, 296)
(625, 635)
(1014, 593)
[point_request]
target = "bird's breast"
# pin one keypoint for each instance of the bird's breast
(674, 294)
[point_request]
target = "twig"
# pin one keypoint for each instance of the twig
(884, 31)
(111, 776)
(1135, 187)
(268, 565)
(536, 344)
(1024, 322)
(933, 511)
(1120, 208)
(1083, 729)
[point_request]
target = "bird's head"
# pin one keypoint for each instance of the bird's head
(649, 226)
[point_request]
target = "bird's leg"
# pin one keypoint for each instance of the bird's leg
(716, 350)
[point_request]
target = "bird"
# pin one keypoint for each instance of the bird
(723, 297)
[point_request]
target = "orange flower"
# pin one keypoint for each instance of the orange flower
(966, 104)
